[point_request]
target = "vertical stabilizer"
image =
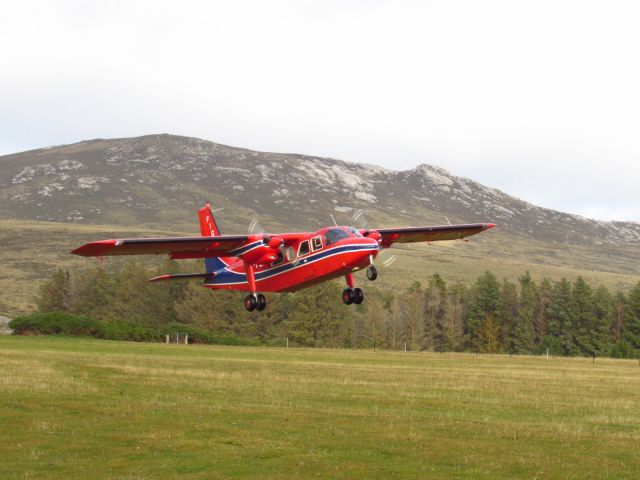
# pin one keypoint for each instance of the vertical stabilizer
(209, 228)
(208, 225)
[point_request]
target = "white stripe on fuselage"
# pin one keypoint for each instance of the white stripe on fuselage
(310, 259)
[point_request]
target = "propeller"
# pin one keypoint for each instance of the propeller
(256, 228)
(360, 220)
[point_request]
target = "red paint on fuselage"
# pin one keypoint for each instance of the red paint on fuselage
(306, 270)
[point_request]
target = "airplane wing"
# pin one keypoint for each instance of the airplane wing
(434, 233)
(176, 247)
(179, 248)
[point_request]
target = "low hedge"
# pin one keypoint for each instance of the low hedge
(59, 323)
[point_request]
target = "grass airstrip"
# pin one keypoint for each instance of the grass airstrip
(79, 408)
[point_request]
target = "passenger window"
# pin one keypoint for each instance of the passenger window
(303, 249)
(291, 254)
(317, 242)
(279, 259)
(333, 235)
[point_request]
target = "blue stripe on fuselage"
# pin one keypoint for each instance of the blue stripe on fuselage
(225, 276)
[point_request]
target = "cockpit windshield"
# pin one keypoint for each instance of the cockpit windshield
(335, 234)
(355, 231)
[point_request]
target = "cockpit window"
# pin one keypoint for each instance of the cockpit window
(303, 249)
(333, 235)
(355, 231)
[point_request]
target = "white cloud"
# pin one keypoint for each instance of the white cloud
(538, 98)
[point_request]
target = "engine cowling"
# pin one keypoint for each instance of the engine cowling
(265, 253)
(373, 234)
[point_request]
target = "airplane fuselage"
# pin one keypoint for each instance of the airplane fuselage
(310, 261)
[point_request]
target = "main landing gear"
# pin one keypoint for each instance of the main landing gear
(255, 302)
(352, 295)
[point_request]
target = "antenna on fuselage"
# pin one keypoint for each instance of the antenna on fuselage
(334, 220)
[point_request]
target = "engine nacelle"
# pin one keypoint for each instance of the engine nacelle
(265, 253)
(373, 234)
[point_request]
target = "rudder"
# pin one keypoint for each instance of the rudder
(209, 228)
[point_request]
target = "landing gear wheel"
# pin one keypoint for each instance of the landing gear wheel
(348, 296)
(250, 303)
(262, 302)
(358, 295)
(372, 272)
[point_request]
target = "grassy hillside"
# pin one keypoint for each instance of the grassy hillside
(33, 250)
(74, 408)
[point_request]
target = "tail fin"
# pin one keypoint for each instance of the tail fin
(209, 228)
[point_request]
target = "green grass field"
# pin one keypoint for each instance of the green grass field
(76, 408)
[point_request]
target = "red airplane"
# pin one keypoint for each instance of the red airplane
(283, 262)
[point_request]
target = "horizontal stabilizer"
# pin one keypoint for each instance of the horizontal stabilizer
(182, 276)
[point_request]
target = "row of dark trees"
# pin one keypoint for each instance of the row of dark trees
(491, 316)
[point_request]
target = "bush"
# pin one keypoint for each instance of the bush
(623, 350)
(57, 323)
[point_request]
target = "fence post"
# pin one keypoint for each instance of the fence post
(287, 342)
(167, 339)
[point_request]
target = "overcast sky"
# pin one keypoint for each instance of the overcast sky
(539, 99)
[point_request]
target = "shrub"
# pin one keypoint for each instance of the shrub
(57, 323)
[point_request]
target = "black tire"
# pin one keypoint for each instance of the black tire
(250, 303)
(348, 296)
(262, 302)
(358, 295)
(372, 272)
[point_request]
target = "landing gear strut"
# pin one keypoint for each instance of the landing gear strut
(253, 301)
(352, 295)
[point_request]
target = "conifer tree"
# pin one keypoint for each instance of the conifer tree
(617, 321)
(559, 316)
(52, 295)
(524, 332)
(484, 303)
(92, 292)
(204, 308)
(631, 329)
(393, 326)
(435, 312)
(507, 315)
(603, 317)
(411, 304)
(454, 319)
(540, 320)
(582, 317)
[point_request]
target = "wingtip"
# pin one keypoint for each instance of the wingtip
(94, 249)
(158, 278)
(490, 225)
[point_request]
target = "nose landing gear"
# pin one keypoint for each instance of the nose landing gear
(372, 272)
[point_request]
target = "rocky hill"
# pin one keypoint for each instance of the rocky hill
(158, 181)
